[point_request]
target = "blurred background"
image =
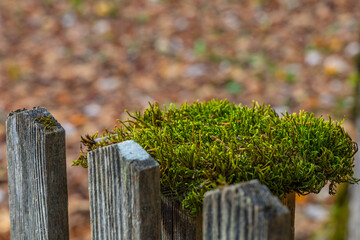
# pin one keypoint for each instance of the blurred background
(88, 61)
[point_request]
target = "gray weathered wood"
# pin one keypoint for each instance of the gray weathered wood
(124, 189)
(353, 231)
(176, 224)
(289, 202)
(37, 177)
(244, 211)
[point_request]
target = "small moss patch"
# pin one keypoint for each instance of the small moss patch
(206, 145)
(47, 121)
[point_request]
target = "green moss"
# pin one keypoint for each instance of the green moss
(47, 121)
(202, 146)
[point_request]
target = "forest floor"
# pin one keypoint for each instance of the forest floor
(88, 61)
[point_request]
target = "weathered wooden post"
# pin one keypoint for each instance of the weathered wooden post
(289, 202)
(37, 176)
(124, 187)
(245, 211)
(353, 231)
(177, 224)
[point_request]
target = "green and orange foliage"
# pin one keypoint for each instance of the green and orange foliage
(205, 145)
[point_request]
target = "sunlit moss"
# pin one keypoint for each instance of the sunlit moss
(47, 121)
(205, 145)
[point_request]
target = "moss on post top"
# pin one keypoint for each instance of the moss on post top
(202, 146)
(41, 116)
(48, 122)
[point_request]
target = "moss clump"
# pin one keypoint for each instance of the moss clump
(47, 121)
(202, 146)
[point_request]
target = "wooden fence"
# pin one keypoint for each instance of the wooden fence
(124, 190)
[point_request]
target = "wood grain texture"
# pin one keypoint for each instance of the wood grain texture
(353, 226)
(289, 202)
(176, 224)
(244, 211)
(37, 177)
(353, 229)
(124, 191)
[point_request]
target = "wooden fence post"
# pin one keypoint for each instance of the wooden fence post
(289, 202)
(353, 229)
(245, 211)
(37, 176)
(124, 189)
(177, 224)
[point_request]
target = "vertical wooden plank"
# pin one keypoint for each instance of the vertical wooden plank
(176, 224)
(289, 202)
(244, 211)
(124, 188)
(353, 229)
(166, 219)
(37, 177)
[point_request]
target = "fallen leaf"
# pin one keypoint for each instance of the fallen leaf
(78, 119)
